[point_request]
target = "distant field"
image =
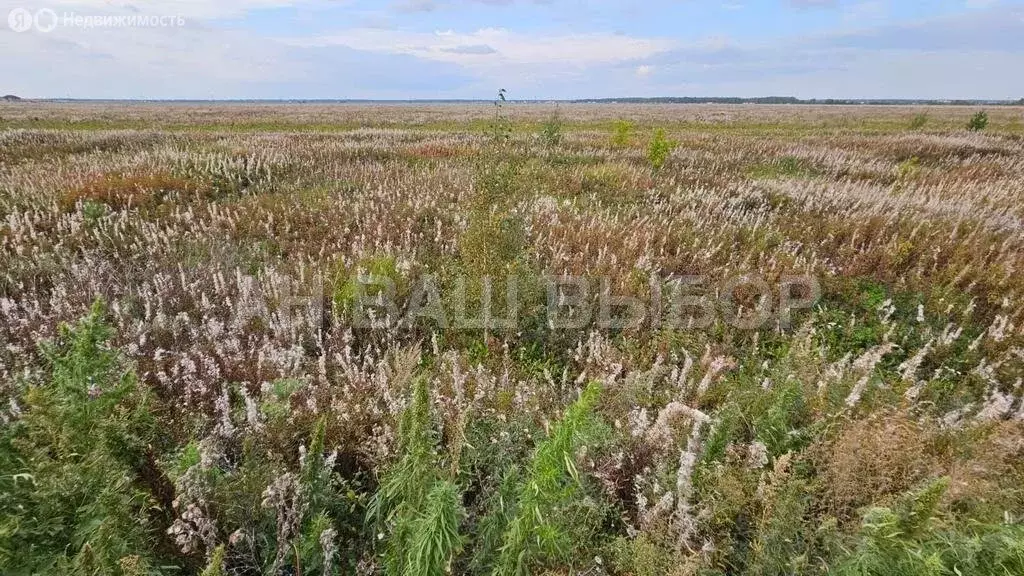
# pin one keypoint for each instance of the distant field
(527, 339)
(333, 117)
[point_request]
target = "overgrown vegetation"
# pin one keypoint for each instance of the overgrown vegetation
(551, 132)
(919, 121)
(185, 389)
(978, 122)
(660, 149)
(74, 465)
(622, 133)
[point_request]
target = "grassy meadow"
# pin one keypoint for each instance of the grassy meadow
(510, 339)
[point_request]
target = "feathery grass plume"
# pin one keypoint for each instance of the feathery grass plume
(533, 534)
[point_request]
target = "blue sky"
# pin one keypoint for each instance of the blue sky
(535, 48)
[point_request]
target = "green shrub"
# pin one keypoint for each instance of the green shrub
(642, 556)
(536, 530)
(919, 121)
(358, 286)
(551, 132)
(660, 149)
(72, 499)
(911, 539)
(494, 244)
(908, 169)
(978, 122)
(783, 537)
(416, 506)
(622, 133)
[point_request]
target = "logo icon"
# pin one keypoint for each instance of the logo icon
(46, 20)
(20, 20)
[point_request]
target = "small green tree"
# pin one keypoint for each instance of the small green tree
(978, 122)
(660, 149)
(622, 133)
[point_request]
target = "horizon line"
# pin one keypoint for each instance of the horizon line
(9, 98)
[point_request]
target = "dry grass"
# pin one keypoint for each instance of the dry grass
(876, 459)
(223, 238)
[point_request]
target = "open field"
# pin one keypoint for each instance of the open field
(313, 117)
(723, 340)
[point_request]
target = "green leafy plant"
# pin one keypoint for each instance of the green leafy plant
(535, 531)
(911, 539)
(92, 211)
(908, 169)
(319, 499)
(919, 121)
(73, 500)
(357, 288)
(416, 505)
(215, 567)
(501, 125)
(435, 535)
(551, 132)
(660, 149)
(622, 133)
(978, 122)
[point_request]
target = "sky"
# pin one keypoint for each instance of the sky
(536, 49)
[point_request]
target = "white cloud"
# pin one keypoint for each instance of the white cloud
(515, 48)
(199, 61)
(965, 56)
